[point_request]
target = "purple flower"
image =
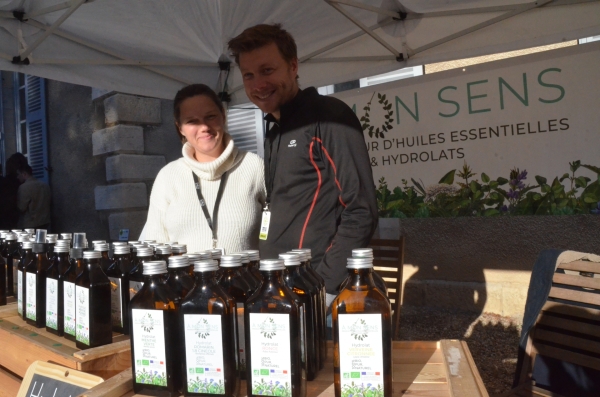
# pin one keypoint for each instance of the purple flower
(513, 194)
(523, 175)
(504, 208)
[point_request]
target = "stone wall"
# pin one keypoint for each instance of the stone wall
(482, 264)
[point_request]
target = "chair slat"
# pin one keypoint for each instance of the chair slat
(566, 355)
(392, 254)
(568, 340)
(582, 266)
(576, 281)
(570, 325)
(572, 310)
(576, 296)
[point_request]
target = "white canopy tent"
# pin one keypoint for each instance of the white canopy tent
(154, 47)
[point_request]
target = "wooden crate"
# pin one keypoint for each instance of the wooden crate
(427, 369)
(22, 344)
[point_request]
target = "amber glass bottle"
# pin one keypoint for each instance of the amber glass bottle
(105, 261)
(308, 295)
(162, 253)
(249, 277)
(362, 335)
(55, 277)
(194, 257)
(9, 253)
(253, 266)
(215, 255)
(36, 283)
(178, 279)
(136, 276)
(179, 249)
(235, 284)
(92, 289)
(209, 354)
(69, 277)
(272, 326)
(118, 275)
(51, 240)
(154, 314)
(377, 279)
(26, 258)
(310, 274)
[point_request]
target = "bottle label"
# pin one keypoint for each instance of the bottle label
(30, 310)
(361, 355)
(52, 303)
(149, 352)
(271, 365)
(241, 335)
(82, 318)
(20, 292)
(134, 287)
(204, 353)
(69, 305)
(116, 308)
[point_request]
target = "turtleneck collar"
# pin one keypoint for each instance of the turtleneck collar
(212, 170)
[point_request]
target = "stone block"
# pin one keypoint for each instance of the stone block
(118, 139)
(131, 167)
(99, 94)
(130, 109)
(121, 196)
(132, 220)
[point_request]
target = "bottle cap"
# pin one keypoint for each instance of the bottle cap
(171, 243)
(148, 241)
(244, 257)
(303, 255)
(58, 247)
(307, 251)
(27, 245)
(206, 266)
(154, 267)
(23, 237)
(135, 247)
(115, 243)
(144, 251)
(40, 236)
(271, 264)
(216, 254)
(79, 241)
(362, 253)
(253, 255)
(51, 238)
(198, 256)
(30, 231)
(290, 259)
(359, 263)
(234, 260)
(10, 236)
(179, 248)
(20, 230)
(101, 247)
(163, 250)
(92, 254)
(76, 253)
(121, 249)
(66, 236)
(133, 242)
(98, 242)
(39, 248)
(178, 261)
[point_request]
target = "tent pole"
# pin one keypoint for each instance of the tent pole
(517, 11)
(48, 10)
(378, 10)
(101, 49)
(50, 30)
(352, 59)
(6, 56)
(118, 62)
(358, 23)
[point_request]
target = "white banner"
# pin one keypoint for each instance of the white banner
(536, 112)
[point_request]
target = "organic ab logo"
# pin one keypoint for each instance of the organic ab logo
(203, 329)
(268, 328)
(81, 297)
(147, 323)
(359, 330)
(388, 117)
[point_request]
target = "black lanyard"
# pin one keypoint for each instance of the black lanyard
(271, 165)
(212, 223)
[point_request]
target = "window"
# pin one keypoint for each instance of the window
(246, 126)
(30, 119)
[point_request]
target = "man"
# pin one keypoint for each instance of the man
(33, 200)
(320, 190)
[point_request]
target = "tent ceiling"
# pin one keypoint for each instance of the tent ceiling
(154, 47)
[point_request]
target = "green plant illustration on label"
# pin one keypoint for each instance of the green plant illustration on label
(82, 335)
(268, 328)
(147, 323)
(150, 378)
(364, 390)
(203, 330)
(69, 290)
(51, 322)
(360, 330)
(69, 328)
(207, 386)
(271, 388)
(81, 296)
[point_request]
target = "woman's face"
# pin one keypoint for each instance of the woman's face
(203, 125)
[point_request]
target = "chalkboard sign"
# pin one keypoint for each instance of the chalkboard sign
(49, 380)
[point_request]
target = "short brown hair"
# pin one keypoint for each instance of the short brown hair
(261, 35)
(189, 92)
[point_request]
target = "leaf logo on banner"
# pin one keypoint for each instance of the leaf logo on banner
(378, 132)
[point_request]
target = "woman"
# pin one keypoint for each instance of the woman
(211, 171)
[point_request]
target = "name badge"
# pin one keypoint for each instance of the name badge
(264, 225)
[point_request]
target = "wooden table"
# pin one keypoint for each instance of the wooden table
(423, 369)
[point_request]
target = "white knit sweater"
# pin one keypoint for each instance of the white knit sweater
(175, 213)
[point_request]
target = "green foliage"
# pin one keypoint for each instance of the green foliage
(460, 193)
(271, 388)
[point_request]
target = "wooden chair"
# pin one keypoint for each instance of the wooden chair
(388, 261)
(567, 328)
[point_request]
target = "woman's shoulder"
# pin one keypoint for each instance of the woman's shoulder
(173, 169)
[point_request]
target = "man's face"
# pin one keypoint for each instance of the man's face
(269, 80)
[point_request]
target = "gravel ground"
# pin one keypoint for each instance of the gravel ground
(493, 340)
